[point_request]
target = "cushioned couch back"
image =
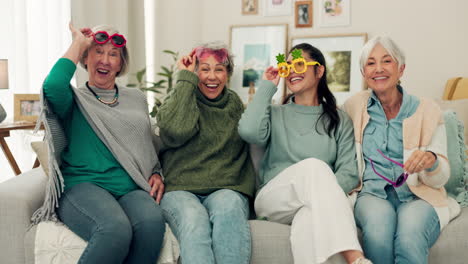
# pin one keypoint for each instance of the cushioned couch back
(456, 151)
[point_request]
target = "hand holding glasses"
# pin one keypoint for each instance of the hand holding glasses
(400, 180)
(298, 64)
(102, 37)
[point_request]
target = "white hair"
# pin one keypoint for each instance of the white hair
(124, 54)
(388, 44)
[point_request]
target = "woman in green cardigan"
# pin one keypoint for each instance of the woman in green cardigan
(209, 176)
(104, 180)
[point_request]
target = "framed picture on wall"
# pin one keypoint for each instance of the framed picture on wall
(334, 13)
(27, 107)
(249, 7)
(255, 48)
(278, 7)
(341, 54)
(303, 14)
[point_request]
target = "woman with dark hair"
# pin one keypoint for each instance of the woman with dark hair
(309, 164)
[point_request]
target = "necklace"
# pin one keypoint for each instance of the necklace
(114, 102)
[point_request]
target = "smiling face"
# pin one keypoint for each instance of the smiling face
(103, 63)
(212, 76)
(381, 70)
(304, 82)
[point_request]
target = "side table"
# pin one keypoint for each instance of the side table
(5, 129)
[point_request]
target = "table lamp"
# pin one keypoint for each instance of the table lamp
(3, 83)
(3, 74)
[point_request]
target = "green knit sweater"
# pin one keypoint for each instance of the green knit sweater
(203, 151)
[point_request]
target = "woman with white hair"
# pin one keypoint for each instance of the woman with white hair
(104, 176)
(402, 158)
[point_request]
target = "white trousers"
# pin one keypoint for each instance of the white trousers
(307, 196)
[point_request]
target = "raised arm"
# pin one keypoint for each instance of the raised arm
(177, 118)
(57, 83)
(254, 126)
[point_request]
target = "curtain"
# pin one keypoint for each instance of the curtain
(41, 36)
(38, 35)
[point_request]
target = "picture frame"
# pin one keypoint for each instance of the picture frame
(278, 7)
(303, 14)
(341, 54)
(334, 13)
(27, 107)
(255, 48)
(249, 7)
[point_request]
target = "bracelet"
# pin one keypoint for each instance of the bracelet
(435, 155)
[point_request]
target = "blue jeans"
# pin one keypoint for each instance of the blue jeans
(211, 228)
(396, 232)
(129, 229)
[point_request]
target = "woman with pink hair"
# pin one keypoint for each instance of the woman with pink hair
(209, 177)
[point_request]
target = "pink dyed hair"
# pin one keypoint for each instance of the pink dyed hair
(220, 55)
(217, 49)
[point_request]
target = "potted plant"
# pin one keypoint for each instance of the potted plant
(166, 81)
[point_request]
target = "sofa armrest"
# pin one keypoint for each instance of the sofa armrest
(19, 198)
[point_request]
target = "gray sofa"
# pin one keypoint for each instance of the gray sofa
(22, 195)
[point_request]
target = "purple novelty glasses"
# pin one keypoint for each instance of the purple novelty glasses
(400, 180)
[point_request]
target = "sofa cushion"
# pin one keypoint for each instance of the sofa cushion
(460, 107)
(54, 243)
(451, 245)
(270, 242)
(42, 152)
(457, 184)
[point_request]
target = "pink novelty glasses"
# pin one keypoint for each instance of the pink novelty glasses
(102, 37)
(400, 180)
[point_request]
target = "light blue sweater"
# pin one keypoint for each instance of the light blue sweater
(289, 134)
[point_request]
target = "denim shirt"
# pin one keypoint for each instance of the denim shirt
(386, 135)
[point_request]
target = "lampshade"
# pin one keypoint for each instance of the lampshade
(3, 74)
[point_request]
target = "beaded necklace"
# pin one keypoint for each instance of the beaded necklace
(114, 102)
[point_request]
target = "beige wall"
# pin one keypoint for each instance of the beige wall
(433, 34)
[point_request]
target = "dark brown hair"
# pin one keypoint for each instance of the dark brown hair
(325, 96)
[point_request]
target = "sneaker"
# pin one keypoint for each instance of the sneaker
(362, 260)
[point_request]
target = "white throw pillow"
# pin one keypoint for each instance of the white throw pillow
(42, 152)
(56, 244)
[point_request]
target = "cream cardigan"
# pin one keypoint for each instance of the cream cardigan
(424, 130)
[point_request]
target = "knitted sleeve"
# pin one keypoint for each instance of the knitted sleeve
(437, 177)
(57, 88)
(177, 118)
(346, 165)
(255, 124)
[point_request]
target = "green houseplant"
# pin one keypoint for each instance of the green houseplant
(165, 82)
